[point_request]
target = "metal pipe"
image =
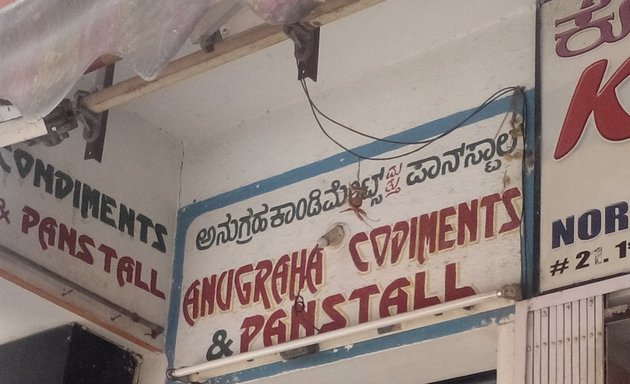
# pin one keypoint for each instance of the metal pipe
(155, 329)
(336, 334)
(226, 51)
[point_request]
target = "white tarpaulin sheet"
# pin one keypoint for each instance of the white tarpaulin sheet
(46, 45)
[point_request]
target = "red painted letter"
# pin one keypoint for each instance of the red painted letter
(611, 120)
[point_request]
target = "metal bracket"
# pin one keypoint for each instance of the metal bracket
(510, 292)
(58, 123)
(306, 39)
(94, 124)
(207, 44)
(89, 120)
(170, 377)
(299, 352)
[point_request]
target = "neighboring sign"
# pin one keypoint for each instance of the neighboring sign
(585, 53)
(100, 226)
(436, 226)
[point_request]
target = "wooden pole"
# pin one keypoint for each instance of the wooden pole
(224, 52)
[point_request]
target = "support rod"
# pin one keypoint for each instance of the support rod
(154, 329)
(338, 333)
(20, 129)
(224, 52)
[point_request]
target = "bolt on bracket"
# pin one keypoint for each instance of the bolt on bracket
(306, 39)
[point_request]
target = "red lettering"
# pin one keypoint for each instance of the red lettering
(585, 20)
(138, 278)
(394, 296)
(362, 266)
(363, 295)
(264, 269)
(224, 290)
(190, 304)
(250, 328)
(208, 292)
(488, 203)
(451, 291)
(413, 238)
(508, 201)
(379, 251)
(420, 299)
(315, 269)
(280, 278)
(427, 236)
(337, 319)
(81, 246)
(110, 254)
(275, 328)
(304, 319)
(445, 228)
(47, 228)
(401, 232)
(30, 218)
(124, 270)
(611, 120)
(154, 290)
(467, 222)
(85, 254)
(298, 272)
(67, 238)
(243, 290)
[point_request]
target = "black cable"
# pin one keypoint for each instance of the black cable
(495, 96)
(308, 95)
(523, 159)
(315, 110)
(298, 303)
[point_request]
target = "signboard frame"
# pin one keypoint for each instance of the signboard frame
(573, 249)
(189, 214)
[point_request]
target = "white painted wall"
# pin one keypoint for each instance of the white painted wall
(382, 71)
(385, 70)
(236, 96)
(141, 169)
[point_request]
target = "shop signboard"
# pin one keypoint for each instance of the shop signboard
(434, 226)
(585, 62)
(99, 228)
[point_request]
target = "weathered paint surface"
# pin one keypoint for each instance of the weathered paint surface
(584, 204)
(416, 247)
(242, 251)
(425, 354)
(107, 227)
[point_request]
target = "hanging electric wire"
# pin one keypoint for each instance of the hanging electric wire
(518, 120)
(317, 113)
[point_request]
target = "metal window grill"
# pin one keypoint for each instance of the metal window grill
(565, 343)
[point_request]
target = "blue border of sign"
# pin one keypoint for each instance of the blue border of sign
(189, 213)
(396, 340)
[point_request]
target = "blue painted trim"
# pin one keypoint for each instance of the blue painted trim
(422, 132)
(413, 336)
(187, 214)
(529, 268)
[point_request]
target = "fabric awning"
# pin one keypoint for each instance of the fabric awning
(46, 45)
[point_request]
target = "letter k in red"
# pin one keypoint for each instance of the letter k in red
(611, 120)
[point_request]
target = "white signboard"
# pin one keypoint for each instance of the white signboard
(585, 51)
(434, 226)
(99, 225)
